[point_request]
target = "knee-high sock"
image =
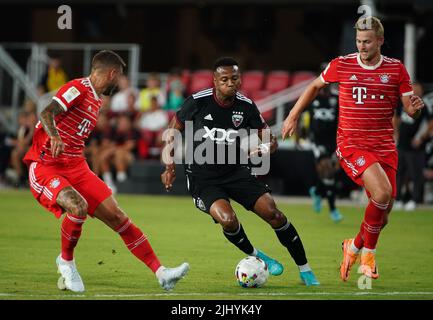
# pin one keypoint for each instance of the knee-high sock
(70, 234)
(289, 238)
(138, 244)
(240, 240)
(373, 221)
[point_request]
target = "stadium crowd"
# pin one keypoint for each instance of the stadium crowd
(131, 123)
(130, 126)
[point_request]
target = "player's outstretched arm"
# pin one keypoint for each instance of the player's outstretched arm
(291, 122)
(169, 175)
(48, 121)
(412, 105)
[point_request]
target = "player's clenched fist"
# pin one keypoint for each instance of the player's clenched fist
(57, 146)
(168, 177)
(416, 104)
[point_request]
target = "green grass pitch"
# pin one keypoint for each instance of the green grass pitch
(29, 244)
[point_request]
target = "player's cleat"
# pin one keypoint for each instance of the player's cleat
(368, 265)
(69, 277)
(275, 268)
(317, 200)
(308, 278)
(349, 259)
(168, 277)
(336, 216)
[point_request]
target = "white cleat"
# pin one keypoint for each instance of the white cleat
(168, 277)
(70, 278)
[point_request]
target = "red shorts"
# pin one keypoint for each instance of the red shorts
(355, 161)
(46, 181)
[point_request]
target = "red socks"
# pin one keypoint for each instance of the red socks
(134, 239)
(371, 226)
(138, 244)
(70, 231)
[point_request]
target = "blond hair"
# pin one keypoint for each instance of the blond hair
(370, 23)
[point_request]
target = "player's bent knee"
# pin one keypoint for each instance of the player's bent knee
(383, 195)
(80, 208)
(116, 218)
(229, 222)
(119, 218)
(271, 211)
(73, 202)
(277, 218)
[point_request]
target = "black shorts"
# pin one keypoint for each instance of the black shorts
(239, 185)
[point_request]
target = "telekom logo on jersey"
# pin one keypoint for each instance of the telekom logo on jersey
(83, 127)
(360, 93)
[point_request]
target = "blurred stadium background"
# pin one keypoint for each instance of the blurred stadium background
(169, 47)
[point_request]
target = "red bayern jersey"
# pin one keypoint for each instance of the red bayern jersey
(81, 104)
(368, 96)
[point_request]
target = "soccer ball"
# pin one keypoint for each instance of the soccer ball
(252, 272)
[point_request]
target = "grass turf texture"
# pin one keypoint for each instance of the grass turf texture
(29, 244)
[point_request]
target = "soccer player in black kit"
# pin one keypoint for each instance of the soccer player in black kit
(216, 115)
(323, 113)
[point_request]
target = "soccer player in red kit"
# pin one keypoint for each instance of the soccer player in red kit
(370, 85)
(62, 182)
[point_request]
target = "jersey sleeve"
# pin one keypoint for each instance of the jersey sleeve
(69, 95)
(187, 111)
(256, 120)
(404, 85)
(330, 74)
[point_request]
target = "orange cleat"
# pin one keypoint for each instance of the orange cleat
(349, 259)
(368, 265)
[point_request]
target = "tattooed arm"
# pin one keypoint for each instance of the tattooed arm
(169, 175)
(47, 117)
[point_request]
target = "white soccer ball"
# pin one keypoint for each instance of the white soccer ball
(252, 272)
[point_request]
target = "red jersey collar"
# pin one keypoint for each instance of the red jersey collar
(377, 65)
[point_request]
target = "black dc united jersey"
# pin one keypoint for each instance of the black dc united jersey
(214, 132)
(323, 113)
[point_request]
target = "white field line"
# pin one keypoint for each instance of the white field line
(222, 294)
